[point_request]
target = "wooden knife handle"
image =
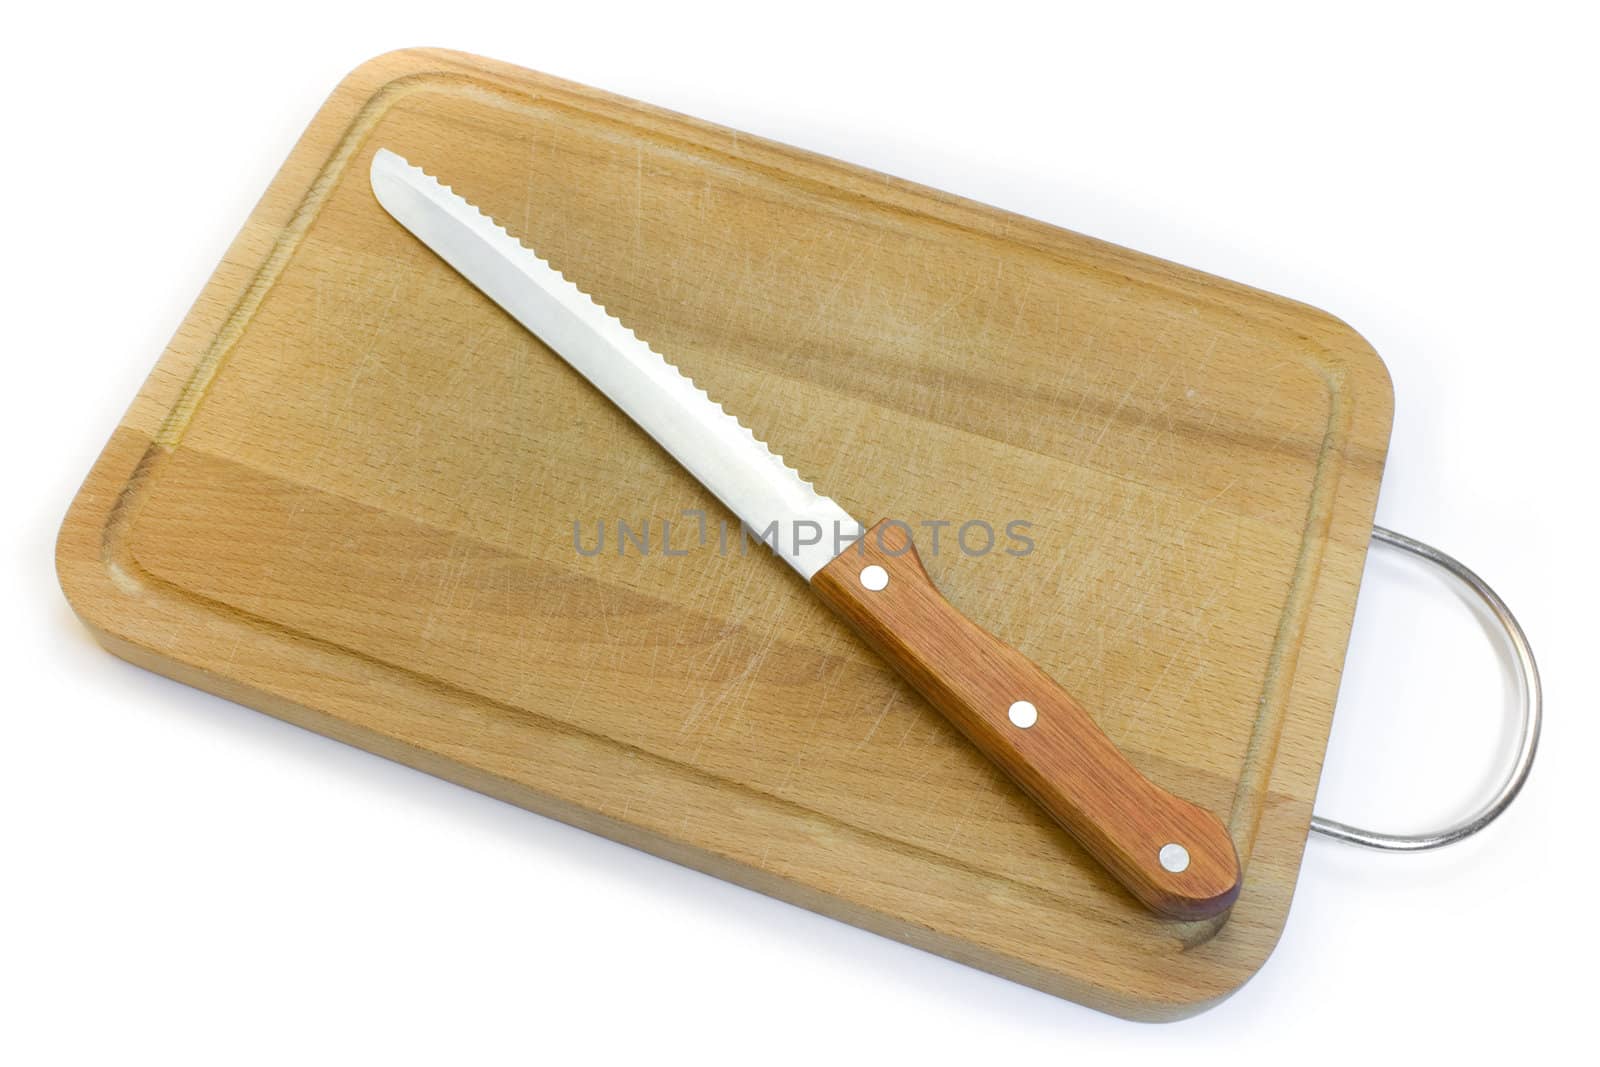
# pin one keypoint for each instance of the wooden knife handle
(1174, 857)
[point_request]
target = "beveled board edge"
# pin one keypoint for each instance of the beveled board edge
(108, 595)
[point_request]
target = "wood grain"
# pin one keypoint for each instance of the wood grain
(346, 496)
(1061, 758)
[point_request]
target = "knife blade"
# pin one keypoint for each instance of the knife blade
(1173, 856)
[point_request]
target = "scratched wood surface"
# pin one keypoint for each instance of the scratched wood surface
(346, 495)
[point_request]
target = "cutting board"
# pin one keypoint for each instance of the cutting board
(348, 495)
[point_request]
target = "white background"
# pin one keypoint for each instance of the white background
(187, 881)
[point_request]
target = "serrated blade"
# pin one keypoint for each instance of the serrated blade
(803, 527)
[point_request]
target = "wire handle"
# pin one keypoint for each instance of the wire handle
(1528, 739)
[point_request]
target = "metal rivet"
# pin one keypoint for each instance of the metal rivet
(1023, 714)
(874, 577)
(1175, 858)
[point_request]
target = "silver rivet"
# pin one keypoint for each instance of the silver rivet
(874, 577)
(1175, 858)
(1023, 714)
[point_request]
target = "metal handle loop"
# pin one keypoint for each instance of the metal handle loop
(1527, 743)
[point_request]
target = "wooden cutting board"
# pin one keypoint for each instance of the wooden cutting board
(347, 493)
